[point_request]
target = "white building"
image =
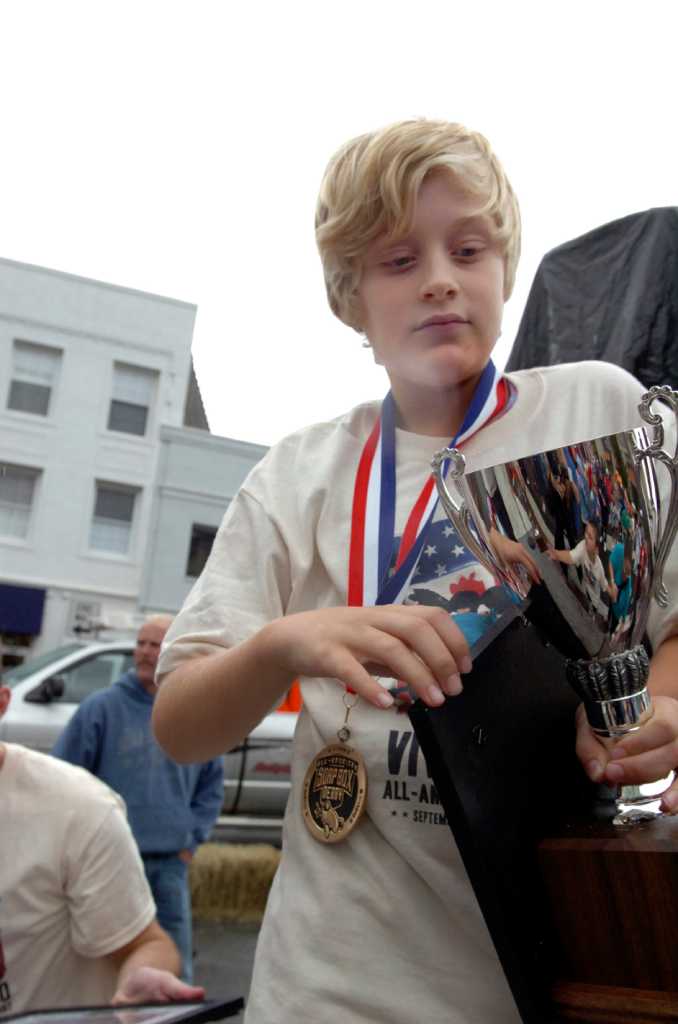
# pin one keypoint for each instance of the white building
(186, 513)
(97, 397)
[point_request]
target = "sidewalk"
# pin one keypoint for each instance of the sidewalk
(229, 887)
(223, 957)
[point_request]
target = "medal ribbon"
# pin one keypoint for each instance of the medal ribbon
(374, 498)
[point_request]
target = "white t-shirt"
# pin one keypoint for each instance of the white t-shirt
(72, 885)
(383, 927)
(593, 572)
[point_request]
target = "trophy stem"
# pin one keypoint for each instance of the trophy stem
(629, 805)
(613, 690)
(616, 701)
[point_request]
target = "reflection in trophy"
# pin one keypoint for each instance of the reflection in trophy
(589, 522)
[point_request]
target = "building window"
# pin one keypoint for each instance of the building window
(133, 390)
(113, 516)
(34, 371)
(17, 485)
(202, 538)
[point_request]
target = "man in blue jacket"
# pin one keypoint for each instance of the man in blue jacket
(171, 807)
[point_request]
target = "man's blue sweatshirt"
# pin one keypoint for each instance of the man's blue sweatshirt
(170, 806)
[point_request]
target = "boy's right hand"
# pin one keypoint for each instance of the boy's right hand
(419, 645)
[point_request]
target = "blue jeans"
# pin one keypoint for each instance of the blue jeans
(168, 878)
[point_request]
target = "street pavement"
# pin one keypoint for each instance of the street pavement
(223, 958)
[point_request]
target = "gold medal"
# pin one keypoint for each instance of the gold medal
(335, 789)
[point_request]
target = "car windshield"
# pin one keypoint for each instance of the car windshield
(15, 675)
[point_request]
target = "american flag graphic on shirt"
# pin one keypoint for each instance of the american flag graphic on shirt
(448, 576)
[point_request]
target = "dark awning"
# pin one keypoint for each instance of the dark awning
(610, 294)
(21, 609)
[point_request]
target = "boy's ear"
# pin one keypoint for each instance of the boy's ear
(358, 317)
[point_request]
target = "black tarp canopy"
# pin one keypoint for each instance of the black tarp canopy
(610, 294)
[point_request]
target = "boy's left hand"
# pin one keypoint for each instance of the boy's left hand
(643, 756)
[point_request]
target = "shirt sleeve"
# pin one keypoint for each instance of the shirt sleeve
(244, 585)
(109, 899)
(578, 552)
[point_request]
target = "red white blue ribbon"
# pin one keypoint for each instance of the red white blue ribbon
(374, 499)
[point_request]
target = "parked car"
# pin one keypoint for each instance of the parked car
(47, 689)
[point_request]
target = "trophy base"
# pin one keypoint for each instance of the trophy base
(623, 807)
(629, 815)
(627, 806)
(633, 808)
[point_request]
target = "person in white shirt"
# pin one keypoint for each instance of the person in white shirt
(77, 920)
(371, 916)
(586, 557)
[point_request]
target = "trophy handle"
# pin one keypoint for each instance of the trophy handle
(458, 512)
(655, 451)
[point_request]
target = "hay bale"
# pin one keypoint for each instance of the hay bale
(230, 882)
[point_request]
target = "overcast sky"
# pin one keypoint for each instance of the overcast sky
(178, 147)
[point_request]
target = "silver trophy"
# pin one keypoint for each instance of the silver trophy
(594, 524)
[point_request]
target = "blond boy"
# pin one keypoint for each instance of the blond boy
(419, 234)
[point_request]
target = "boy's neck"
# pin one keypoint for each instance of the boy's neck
(432, 412)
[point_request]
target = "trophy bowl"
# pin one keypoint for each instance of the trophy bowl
(592, 524)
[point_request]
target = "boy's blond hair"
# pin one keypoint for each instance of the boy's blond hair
(370, 187)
